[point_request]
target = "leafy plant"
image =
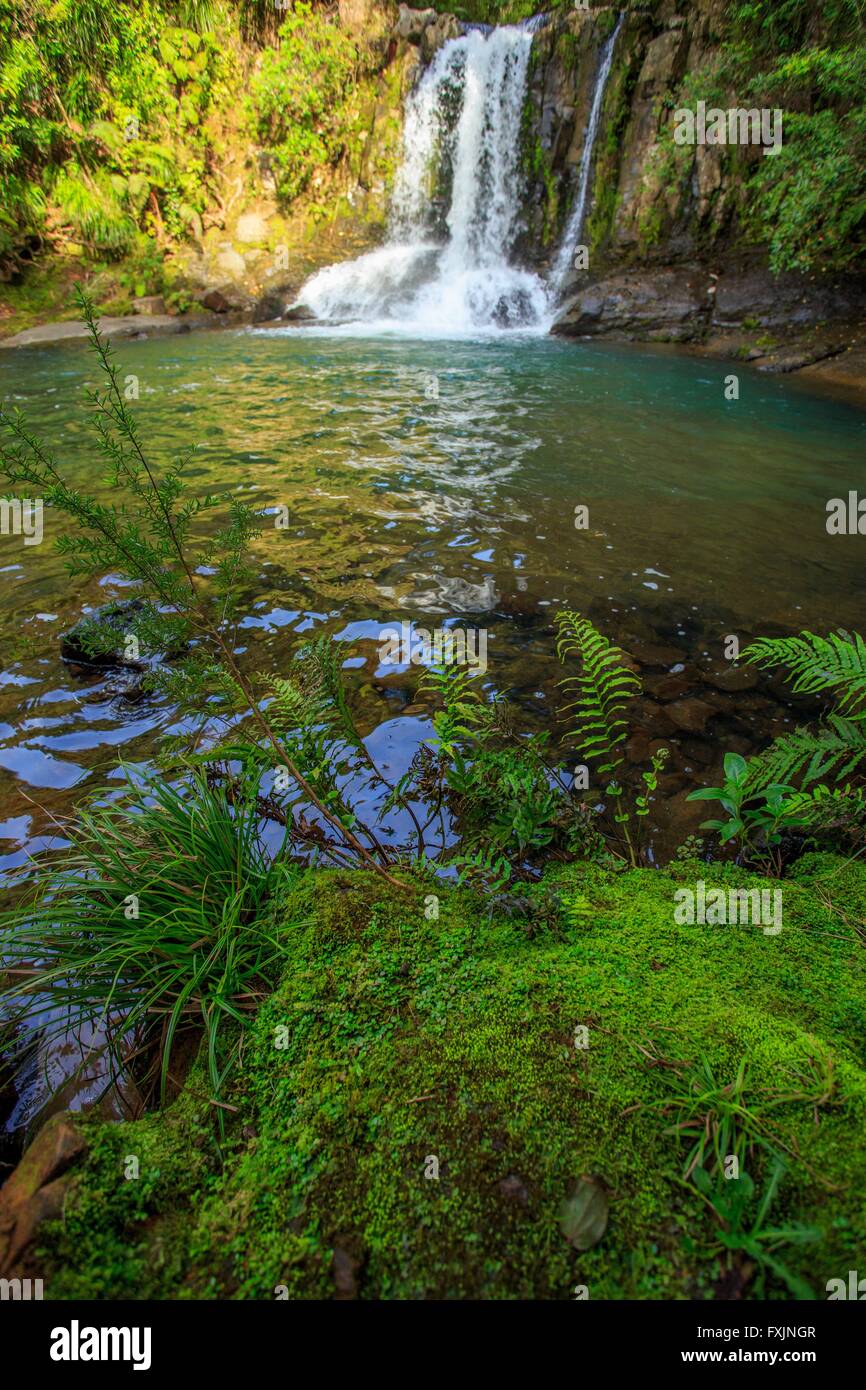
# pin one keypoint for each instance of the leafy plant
(784, 789)
(151, 922)
(298, 94)
(758, 818)
(602, 689)
(507, 798)
(750, 1235)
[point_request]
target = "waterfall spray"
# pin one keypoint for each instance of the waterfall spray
(449, 271)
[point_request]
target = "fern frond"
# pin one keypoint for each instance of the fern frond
(603, 686)
(829, 808)
(836, 662)
(837, 747)
(94, 210)
(322, 684)
(291, 708)
(463, 707)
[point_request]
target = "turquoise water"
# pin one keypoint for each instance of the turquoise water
(437, 481)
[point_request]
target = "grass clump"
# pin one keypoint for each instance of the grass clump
(154, 923)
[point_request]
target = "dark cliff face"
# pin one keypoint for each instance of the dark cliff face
(671, 254)
(651, 201)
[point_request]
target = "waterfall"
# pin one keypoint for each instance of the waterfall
(446, 267)
(571, 237)
(450, 271)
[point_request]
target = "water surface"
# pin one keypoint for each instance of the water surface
(437, 481)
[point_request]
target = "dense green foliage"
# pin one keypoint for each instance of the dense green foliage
(808, 780)
(103, 132)
(120, 121)
(154, 920)
(117, 120)
(393, 1038)
(807, 203)
(298, 96)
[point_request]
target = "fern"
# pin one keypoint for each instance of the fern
(838, 746)
(484, 868)
(836, 662)
(463, 710)
(603, 686)
(322, 683)
(829, 808)
(94, 209)
(291, 708)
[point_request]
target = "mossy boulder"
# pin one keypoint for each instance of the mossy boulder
(416, 1104)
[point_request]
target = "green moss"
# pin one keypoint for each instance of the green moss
(615, 117)
(406, 1039)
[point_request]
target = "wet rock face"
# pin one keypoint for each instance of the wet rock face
(647, 228)
(723, 312)
(668, 302)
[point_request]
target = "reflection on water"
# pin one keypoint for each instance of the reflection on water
(438, 480)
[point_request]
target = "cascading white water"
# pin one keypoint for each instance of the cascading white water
(574, 227)
(463, 124)
(462, 133)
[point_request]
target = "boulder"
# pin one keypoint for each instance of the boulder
(299, 313)
(37, 1188)
(412, 23)
(149, 305)
(443, 28)
(690, 714)
(227, 298)
(114, 616)
(273, 302)
(668, 302)
(251, 229)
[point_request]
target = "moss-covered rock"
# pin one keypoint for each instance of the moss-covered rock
(412, 1107)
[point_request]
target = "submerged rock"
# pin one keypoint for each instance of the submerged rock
(111, 617)
(90, 644)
